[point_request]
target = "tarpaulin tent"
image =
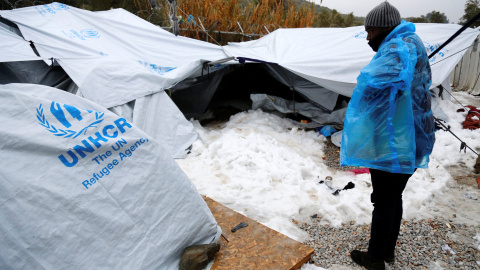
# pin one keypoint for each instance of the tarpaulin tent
(83, 188)
(333, 57)
(120, 61)
(116, 58)
(330, 59)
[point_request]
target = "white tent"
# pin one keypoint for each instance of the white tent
(333, 57)
(82, 188)
(115, 58)
(122, 62)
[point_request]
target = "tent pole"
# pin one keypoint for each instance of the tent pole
(474, 19)
(174, 18)
(293, 91)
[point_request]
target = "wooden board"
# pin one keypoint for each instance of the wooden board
(255, 246)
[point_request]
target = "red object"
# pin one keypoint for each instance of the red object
(360, 171)
(472, 120)
(478, 182)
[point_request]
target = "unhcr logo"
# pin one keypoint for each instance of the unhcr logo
(43, 10)
(82, 34)
(153, 68)
(69, 122)
(90, 33)
(360, 35)
(431, 47)
(59, 113)
(59, 6)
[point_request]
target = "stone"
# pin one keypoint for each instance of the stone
(198, 256)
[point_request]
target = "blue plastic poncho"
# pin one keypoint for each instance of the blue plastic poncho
(389, 124)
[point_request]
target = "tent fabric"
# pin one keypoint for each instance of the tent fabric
(15, 48)
(36, 72)
(161, 118)
(124, 110)
(193, 95)
(320, 96)
(318, 116)
(466, 74)
(124, 204)
(145, 115)
(11, 27)
(333, 57)
(63, 31)
(105, 83)
(114, 58)
(135, 84)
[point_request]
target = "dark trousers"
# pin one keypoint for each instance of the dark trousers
(387, 212)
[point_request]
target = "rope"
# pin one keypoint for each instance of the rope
(456, 99)
(446, 89)
(452, 55)
(463, 145)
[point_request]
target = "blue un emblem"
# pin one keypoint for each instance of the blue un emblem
(72, 122)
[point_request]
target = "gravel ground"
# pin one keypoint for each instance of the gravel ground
(422, 244)
(435, 243)
(332, 157)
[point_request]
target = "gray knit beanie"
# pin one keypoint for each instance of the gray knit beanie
(383, 15)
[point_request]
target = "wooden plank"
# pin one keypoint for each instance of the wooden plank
(255, 246)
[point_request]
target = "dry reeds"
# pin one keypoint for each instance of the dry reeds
(252, 17)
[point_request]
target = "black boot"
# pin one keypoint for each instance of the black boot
(363, 259)
(390, 258)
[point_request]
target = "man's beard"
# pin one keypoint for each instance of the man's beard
(377, 41)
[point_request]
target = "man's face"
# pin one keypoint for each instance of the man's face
(375, 36)
(373, 32)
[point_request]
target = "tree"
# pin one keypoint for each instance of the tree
(349, 20)
(337, 19)
(323, 19)
(421, 19)
(432, 17)
(472, 8)
(436, 17)
(332, 18)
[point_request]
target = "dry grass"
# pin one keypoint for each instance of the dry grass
(253, 16)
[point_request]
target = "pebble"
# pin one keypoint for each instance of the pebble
(418, 247)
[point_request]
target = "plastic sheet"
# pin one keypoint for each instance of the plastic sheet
(327, 130)
(100, 194)
(389, 123)
(319, 117)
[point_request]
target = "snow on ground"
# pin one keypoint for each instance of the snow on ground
(268, 169)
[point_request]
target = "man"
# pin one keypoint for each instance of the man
(389, 126)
